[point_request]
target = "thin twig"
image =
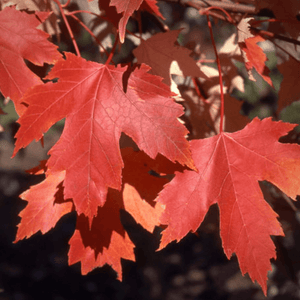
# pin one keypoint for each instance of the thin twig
(90, 32)
(195, 81)
(230, 20)
(135, 35)
(82, 11)
(109, 59)
(220, 73)
(270, 35)
(66, 4)
(68, 26)
(232, 7)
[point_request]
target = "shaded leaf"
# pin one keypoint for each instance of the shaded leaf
(160, 50)
(106, 242)
(289, 88)
(284, 10)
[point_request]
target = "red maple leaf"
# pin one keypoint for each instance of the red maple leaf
(286, 10)
(230, 166)
(151, 7)
(160, 50)
(18, 41)
(106, 242)
(289, 88)
(91, 96)
(253, 55)
(127, 8)
(45, 206)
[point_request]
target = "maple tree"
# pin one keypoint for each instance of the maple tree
(166, 88)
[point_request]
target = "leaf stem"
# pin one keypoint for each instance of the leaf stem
(68, 25)
(109, 59)
(90, 32)
(82, 11)
(232, 7)
(195, 82)
(66, 4)
(269, 35)
(206, 10)
(135, 35)
(257, 22)
(220, 73)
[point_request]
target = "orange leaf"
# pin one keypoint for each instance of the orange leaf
(45, 207)
(230, 166)
(254, 56)
(143, 213)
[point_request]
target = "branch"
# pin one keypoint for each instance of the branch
(231, 7)
(235, 8)
(271, 35)
(68, 25)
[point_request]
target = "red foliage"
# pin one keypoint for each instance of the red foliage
(21, 40)
(90, 173)
(229, 168)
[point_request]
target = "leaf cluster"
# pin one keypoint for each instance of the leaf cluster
(176, 101)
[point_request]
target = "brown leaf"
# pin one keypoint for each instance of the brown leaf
(289, 88)
(160, 51)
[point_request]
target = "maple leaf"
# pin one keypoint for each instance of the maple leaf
(289, 88)
(50, 25)
(127, 8)
(106, 241)
(151, 7)
(110, 12)
(230, 166)
(204, 112)
(254, 56)
(140, 188)
(143, 213)
(91, 96)
(45, 207)
(160, 50)
(18, 41)
(286, 10)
